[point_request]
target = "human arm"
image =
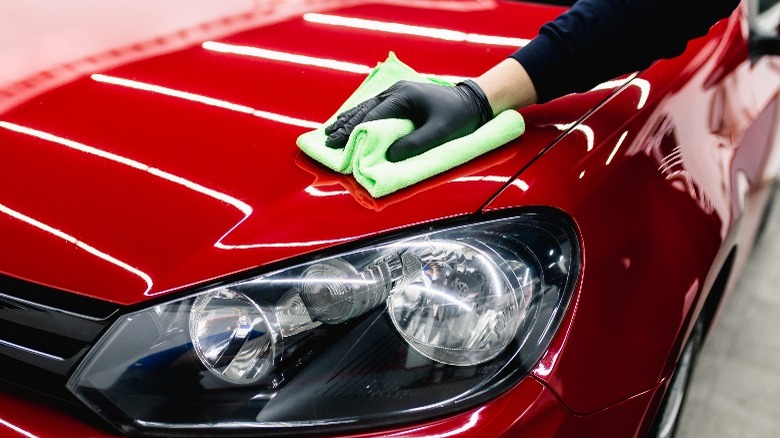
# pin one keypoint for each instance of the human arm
(593, 41)
(597, 40)
(507, 85)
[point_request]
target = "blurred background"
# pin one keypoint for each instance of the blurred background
(37, 37)
(735, 390)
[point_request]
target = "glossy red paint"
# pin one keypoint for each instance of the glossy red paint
(676, 183)
(169, 171)
(542, 415)
(107, 160)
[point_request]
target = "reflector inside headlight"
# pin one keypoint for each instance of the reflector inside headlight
(427, 324)
(464, 306)
(232, 336)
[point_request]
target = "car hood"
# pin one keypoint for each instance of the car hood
(161, 165)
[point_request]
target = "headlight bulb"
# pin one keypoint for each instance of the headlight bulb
(334, 291)
(464, 308)
(232, 336)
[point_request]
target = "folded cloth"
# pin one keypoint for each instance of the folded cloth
(364, 154)
(381, 177)
(380, 79)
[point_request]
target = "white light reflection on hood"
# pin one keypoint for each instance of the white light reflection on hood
(205, 100)
(617, 146)
(472, 421)
(314, 191)
(294, 58)
(517, 182)
(286, 57)
(17, 429)
(586, 130)
(407, 29)
(79, 244)
(223, 197)
(642, 84)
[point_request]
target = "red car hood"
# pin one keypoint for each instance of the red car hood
(174, 169)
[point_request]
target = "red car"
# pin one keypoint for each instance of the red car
(172, 264)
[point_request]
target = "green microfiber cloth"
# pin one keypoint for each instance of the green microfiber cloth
(364, 154)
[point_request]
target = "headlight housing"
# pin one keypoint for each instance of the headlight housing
(409, 329)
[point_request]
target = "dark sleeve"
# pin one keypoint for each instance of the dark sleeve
(597, 40)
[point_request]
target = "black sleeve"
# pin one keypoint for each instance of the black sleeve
(597, 40)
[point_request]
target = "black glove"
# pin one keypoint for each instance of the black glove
(439, 113)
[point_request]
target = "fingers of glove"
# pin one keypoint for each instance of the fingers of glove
(341, 119)
(345, 116)
(427, 137)
(392, 89)
(393, 107)
(339, 131)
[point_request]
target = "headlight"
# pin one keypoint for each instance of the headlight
(396, 332)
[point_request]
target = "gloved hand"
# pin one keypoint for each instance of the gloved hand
(439, 113)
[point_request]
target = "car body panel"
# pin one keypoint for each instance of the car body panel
(545, 416)
(698, 155)
(107, 192)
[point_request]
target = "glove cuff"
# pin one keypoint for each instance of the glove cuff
(485, 111)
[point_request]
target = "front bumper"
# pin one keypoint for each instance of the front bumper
(529, 409)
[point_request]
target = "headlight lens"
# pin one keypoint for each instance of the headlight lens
(420, 326)
(232, 337)
(464, 306)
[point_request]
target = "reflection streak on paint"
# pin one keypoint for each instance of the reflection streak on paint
(407, 29)
(294, 58)
(204, 100)
(314, 191)
(171, 92)
(238, 204)
(585, 129)
(223, 197)
(673, 159)
(642, 84)
(545, 367)
(17, 429)
(519, 183)
(241, 206)
(491, 178)
(290, 244)
(617, 146)
(286, 57)
(83, 246)
(469, 424)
